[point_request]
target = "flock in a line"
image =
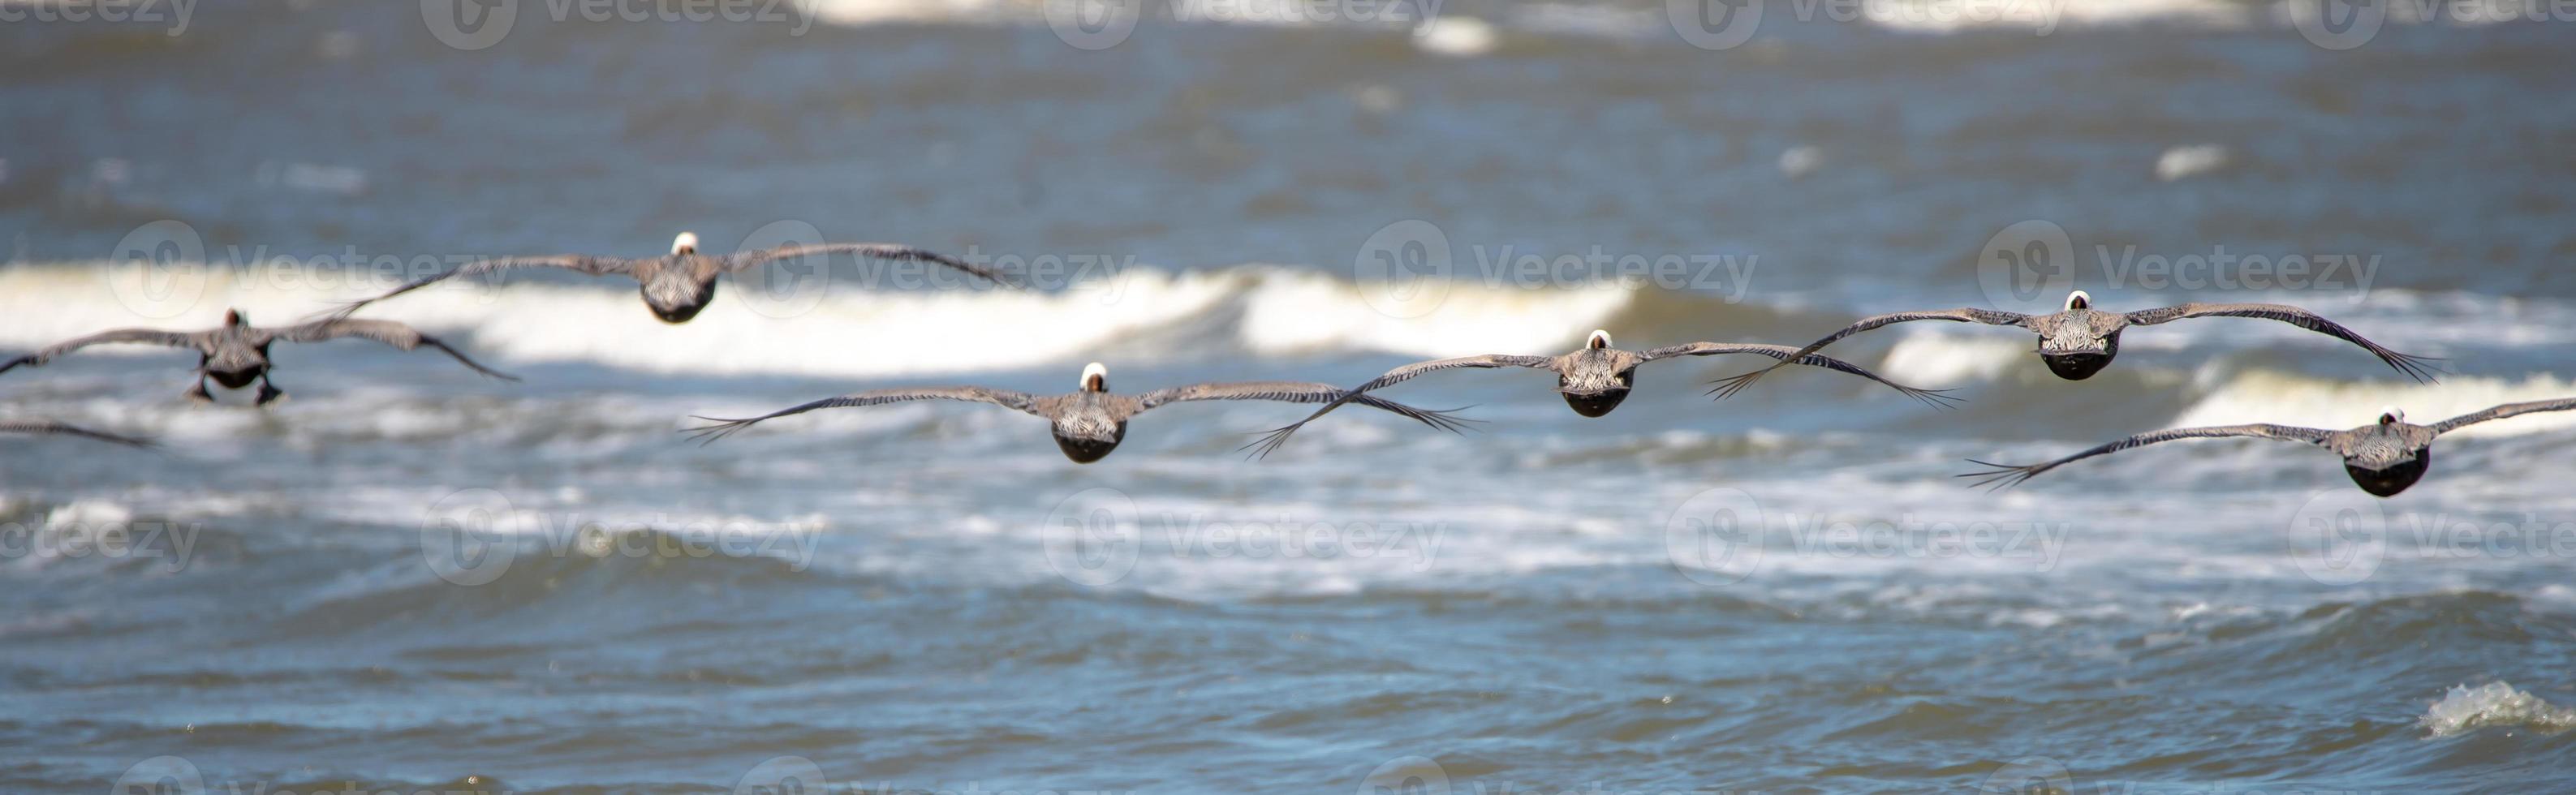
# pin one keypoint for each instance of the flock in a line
(2384, 457)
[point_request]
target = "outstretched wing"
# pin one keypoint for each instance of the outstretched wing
(1728, 387)
(142, 336)
(2420, 368)
(722, 428)
(885, 251)
(2006, 475)
(1932, 397)
(1279, 436)
(1295, 392)
(2501, 412)
(384, 331)
(50, 426)
(595, 266)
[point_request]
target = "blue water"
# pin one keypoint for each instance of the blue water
(410, 578)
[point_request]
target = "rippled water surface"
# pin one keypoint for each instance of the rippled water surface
(409, 577)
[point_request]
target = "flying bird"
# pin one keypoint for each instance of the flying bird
(676, 287)
(236, 353)
(2080, 340)
(52, 427)
(1592, 380)
(1090, 422)
(2383, 457)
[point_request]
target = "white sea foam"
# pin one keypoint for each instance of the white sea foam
(851, 332)
(2493, 704)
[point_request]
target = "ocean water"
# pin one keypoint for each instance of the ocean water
(411, 578)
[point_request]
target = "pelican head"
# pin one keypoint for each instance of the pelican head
(234, 318)
(1600, 339)
(1095, 377)
(2079, 300)
(2391, 415)
(686, 243)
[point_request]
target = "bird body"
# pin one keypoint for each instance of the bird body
(2079, 340)
(678, 286)
(1593, 379)
(235, 354)
(1091, 421)
(2383, 458)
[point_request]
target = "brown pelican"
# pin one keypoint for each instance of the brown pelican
(1090, 422)
(50, 426)
(1592, 380)
(677, 286)
(2383, 457)
(236, 353)
(2080, 340)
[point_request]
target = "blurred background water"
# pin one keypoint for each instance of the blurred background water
(931, 597)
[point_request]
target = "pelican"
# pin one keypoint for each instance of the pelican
(1090, 422)
(2383, 457)
(50, 426)
(1594, 379)
(677, 286)
(2079, 340)
(236, 353)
